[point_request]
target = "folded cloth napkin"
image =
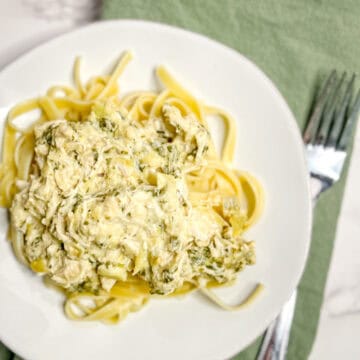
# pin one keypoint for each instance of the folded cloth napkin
(5, 354)
(294, 43)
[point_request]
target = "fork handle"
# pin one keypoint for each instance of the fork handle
(276, 339)
(317, 186)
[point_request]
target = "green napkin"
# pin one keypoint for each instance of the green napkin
(294, 43)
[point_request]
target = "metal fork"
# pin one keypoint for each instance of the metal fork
(326, 137)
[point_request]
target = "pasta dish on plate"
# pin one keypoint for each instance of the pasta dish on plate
(116, 199)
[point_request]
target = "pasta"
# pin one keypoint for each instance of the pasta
(97, 148)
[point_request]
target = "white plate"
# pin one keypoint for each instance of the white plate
(32, 323)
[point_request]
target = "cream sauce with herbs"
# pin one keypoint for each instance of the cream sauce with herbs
(108, 199)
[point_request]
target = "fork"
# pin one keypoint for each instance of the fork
(326, 138)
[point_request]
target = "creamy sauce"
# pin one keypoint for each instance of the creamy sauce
(108, 199)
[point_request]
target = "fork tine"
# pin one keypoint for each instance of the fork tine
(315, 117)
(338, 123)
(328, 112)
(346, 133)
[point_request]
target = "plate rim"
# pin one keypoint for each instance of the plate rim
(292, 125)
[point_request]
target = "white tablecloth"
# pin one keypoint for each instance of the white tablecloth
(21, 29)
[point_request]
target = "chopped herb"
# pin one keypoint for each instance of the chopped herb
(167, 276)
(49, 136)
(107, 125)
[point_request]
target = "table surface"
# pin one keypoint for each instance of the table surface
(21, 28)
